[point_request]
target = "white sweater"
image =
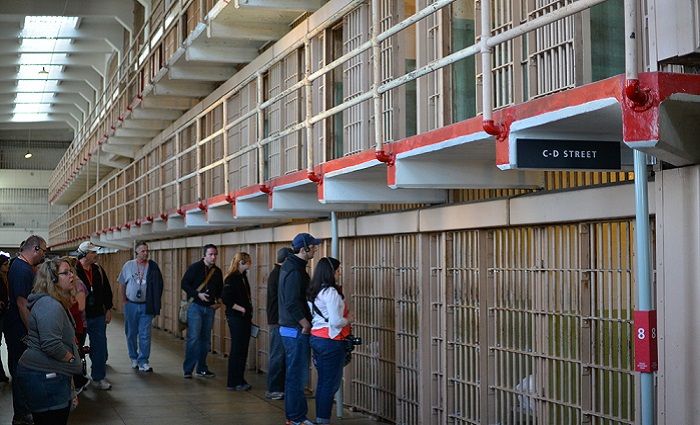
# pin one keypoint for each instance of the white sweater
(331, 305)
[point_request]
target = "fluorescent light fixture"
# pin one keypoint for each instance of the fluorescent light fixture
(36, 85)
(34, 97)
(33, 117)
(42, 58)
(48, 26)
(28, 108)
(33, 72)
(28, 155)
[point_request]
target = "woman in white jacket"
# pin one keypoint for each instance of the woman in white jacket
(329, 327)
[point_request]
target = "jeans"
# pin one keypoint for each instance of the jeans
(43, 391)
(275, 368)
(137, 324)
(97, 331)
(329, 356)
(200, 320)
(297, 357)
(239, 329)
(15, 347)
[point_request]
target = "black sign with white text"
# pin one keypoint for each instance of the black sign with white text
(568, 154)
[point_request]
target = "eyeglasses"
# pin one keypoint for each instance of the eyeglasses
(66, 273)
(38, 248)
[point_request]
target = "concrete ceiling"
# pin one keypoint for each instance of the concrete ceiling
(52, 69)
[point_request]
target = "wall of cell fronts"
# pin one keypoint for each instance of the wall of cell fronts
(470, 313)
(252, 128)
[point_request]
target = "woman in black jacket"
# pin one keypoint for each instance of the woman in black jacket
(239, 315)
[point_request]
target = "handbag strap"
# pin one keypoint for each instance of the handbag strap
(206, 279)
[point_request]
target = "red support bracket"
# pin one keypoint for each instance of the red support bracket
(387, 158)
(202, 206)
(265, 189)
(164, 216)
(316, 178)
(230, 198)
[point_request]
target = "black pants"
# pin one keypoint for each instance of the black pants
(239, 329)
(52, 417)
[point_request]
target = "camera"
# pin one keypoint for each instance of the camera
(350, 342)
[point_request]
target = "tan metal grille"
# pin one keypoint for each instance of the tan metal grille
(374, 366)
(356, 72)
(553, 50)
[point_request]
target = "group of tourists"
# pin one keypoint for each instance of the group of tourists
(48, 309)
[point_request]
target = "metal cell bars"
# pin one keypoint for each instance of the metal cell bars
(373, 387)
(168, 172)
(153, 182)
(389, 15)
(430, 87)
(283, 154)
(241, 138)
(553, 50)
(408, 325)
(187, 162)
(462, 356)
(536, 318)
(503, 63)
(211, 151)
(320, 101)
(612, 304)
(356, 81)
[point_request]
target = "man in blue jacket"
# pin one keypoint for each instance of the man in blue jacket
(141, 289)
(295, 325)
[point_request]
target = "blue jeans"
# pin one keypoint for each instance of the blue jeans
(200, 320)
(329, 356)
(297, 357)
(275, 363)
(43, 391)
(97, 331)
(137, 324)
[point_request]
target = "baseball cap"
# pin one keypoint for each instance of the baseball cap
(304, 239)
(88, 246)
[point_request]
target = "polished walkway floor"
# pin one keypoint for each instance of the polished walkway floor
(164, 397)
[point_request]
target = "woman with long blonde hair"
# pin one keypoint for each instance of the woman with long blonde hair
(239, 315)
(51, 359)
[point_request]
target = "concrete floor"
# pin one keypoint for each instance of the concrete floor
(164, 397)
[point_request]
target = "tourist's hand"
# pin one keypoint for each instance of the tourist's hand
(204, 297)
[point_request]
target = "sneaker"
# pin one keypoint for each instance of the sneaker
(102, 384)
(134, 364)
(242, 387)
(145, 368)
(205, 374)
(274, 395)
(304, 422)
(187, 376)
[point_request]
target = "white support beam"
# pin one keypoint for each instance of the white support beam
(248, 31)
(92, 78)
(81, 88)
(128, 141)
(307, 200)
(169, 102)
(295, 5)
(369, 190)
(122, 150)
(257, 207)
(220, 52)
(145, 124)
(132, 132)
(155, 114)
(91, 60)
(182, 88)
(201, 72)
(458, 173)
(112, 160)
(78, 46)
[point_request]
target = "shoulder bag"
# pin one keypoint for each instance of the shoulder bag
(185, 304)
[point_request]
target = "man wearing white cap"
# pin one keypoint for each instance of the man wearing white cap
(98, 310)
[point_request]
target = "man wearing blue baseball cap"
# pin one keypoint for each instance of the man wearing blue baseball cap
(295, 325)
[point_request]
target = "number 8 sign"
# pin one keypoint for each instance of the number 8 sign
(645, 347)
